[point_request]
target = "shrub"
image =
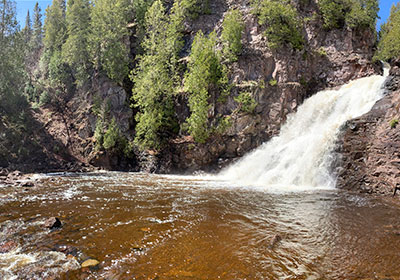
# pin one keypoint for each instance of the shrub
(322, 52)
(273, 82)
(246, 102)
(99, 133)
(353, 13)
(393, 123)
(333, 13)
(282, 23)
(44, 98)
(224, 124)
(232, 35)
(111, 136)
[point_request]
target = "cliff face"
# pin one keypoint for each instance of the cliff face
(329, 59)
(278, 80)
(370, 149)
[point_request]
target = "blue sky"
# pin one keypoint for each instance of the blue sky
(24, 5)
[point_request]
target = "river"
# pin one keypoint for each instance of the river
(142, 226)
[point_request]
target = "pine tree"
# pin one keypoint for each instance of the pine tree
(204, 72)
(55, 26)
(153, 85)
(27, 29)
(75, 50)
(8, 23)
(389, 43)
(232, 34)
(109, 28)
(37, 31)
(11, 60)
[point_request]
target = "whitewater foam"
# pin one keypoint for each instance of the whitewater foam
(301, 156)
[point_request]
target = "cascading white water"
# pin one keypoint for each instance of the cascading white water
(300, 156)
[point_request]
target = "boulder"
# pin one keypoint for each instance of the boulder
(52, 223)
(90, 263)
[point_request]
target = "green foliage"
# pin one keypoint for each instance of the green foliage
(353, 13)
(393, 123)
(246, 102)
(363, 14)
(231, 35)
(389, 43)
(37, 32)
(322, 52)
(58, 70)
(111, 136)
(204, 71)
(273, 82)
(154, 77)
(195, 8)
(75, 50)
(282, 23)
(27, 29)
(224, 124)
(55, 27)
(45, 98)
(12, 74)
(109, 22)
(333, 12)
(99, 133)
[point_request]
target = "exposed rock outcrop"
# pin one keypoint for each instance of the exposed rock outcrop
(370, 146)
(329, 59)
(278, 80)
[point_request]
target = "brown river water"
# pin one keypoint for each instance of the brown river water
(142, 226)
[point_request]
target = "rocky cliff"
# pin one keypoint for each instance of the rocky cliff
(279, 80)
(369, 150)
(329, 59)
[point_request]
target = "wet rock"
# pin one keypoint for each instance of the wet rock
(274, 241)
(28, 184)
(7, 246)
(52, 223)
(369, 154)
(3, 172)
(67, 250)
(14, 174)
(90, 263)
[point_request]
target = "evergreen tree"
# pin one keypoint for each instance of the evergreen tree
(204, 72)
(75, 50)
(155, 77)
(153, 85)
(11, 61)
(37, 31)
(55, 26)
(353, 13)
(363, 14)
(8, 23)
(27, 29)
(282, 23)
(109, 28)
(232, 34)
(389, 43)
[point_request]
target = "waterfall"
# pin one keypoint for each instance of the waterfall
(300, 156)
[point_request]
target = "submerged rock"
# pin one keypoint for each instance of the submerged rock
(89, 263)
(7, 246)
(52, 223)
(274, 241)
